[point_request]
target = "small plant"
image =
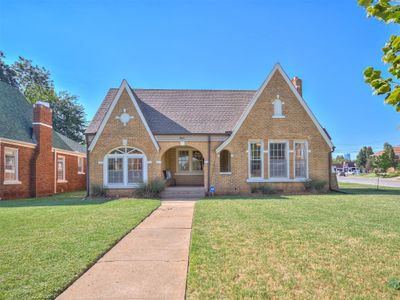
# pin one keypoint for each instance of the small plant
(98, 191)
(394, 283)
(264, 189)
(152, 189)
(315, 185)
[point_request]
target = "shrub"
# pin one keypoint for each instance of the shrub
(394, 283)
(98, 191)
(151, 189)
(264, 189)
(314, 185)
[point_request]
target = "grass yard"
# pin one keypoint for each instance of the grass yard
(308, 246)
(47, 242)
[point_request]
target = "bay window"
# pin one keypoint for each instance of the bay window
(10, 165)
(125, 167)
(278, 160)
(256, 159)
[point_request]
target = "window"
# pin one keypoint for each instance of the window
(189, 161)
(183, 160)
(197, 161)
(81, 168)
(125, 167)
(60, 168)
(278, 113)
(278, 160)
(115, 170)
(256, 160)
(10, 165)
(224, 162)
(300, 158)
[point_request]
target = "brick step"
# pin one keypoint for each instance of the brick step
(183, 193)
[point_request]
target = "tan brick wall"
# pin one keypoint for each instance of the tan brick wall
(259, 124)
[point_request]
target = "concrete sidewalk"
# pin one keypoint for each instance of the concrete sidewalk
(150, 262)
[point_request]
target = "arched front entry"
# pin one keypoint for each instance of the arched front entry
(183, 166)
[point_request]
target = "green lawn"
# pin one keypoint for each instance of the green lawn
(310, 246)
(47, 242)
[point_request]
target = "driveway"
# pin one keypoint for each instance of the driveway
(150, 262)
(389, 182)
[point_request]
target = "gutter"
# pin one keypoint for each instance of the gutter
(87, 167)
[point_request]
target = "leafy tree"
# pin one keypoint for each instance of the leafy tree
(389, 12)
(7, 74)
(389, 153)
(363, 156)
(339, 159)
(68, 116)
(36, 84)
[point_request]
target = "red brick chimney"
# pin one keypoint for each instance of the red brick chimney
(43, 175)
(298, 84)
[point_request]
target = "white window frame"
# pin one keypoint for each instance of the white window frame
(253, 141)
(64, 180)
(81, 163)
(287, 160)
(125, 158)
(274, 104)
(16, 153)
(190, 171)
(305, 142)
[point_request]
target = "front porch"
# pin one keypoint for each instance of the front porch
(183, 166)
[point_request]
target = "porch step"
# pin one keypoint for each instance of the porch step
(183, 192)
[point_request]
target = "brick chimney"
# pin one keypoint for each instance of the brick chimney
(43, 168)
(298, 84)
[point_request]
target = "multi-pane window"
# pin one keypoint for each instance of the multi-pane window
(225, 161)
(278, 160)
(189, 160)
(80, 166)
(135, 170)
(183, 160)
(115, 170)
(256, 159)
(60, 168)
(11, 165)
(300, 157)
(197, 161)
(125, 166)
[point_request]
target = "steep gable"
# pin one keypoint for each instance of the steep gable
(123, 118)
(260, 110)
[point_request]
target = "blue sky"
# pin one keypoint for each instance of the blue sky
(89, 46)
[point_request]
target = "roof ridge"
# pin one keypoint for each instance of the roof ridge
(205, 90)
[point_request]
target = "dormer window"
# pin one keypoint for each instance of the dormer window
(278, 112)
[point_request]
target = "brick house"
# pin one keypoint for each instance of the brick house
(35, 160)
(228, 139)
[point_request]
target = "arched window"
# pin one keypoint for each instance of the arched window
(125, 167)
(225, 161)
(278, 111)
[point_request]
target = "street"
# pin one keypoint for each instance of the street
(389, 182)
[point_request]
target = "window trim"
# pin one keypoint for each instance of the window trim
(190, 172)
(16, 180)
(305, 142)
(63, 180)
(274, 103)
(252, 141)
(125, 158)
(273, 141)
(229, 163)
(80, 158)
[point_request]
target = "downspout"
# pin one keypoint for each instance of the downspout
(87, 167)
(330, 169)
(55, 171)
(209, 164)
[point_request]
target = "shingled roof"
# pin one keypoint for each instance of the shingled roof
(16, 115)
(171, 111)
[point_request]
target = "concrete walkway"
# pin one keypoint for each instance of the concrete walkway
(149, 263)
